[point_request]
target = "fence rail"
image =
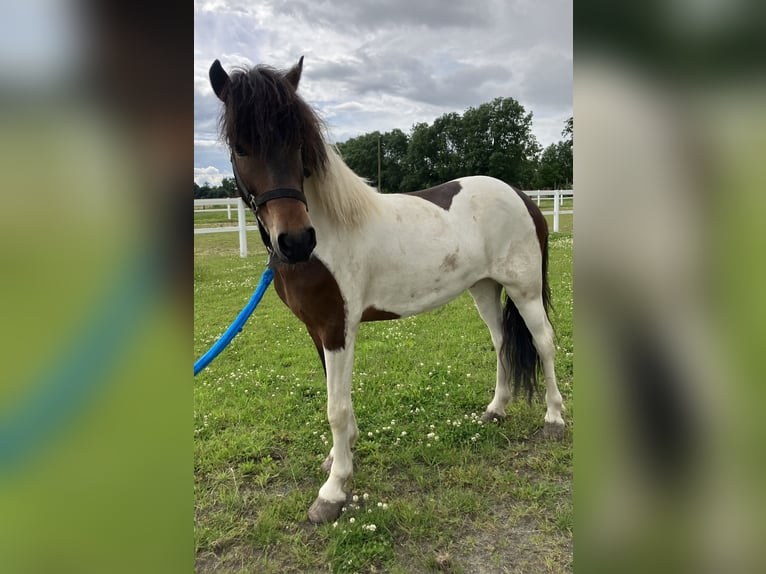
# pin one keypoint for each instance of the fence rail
(559, 197)
(241, 227)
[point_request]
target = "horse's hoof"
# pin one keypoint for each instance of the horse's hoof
(326, 465)
(490, 417)
(553, 430)
(325, 511)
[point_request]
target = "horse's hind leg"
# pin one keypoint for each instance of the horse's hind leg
(533, 313)
(486, 295)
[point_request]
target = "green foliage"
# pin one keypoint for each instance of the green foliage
(555, 168)
(493, 139)
(228, 188)
(361, 155)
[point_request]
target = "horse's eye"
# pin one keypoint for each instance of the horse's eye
(239, 150)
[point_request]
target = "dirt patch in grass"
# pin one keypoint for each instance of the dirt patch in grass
(513, 542)
(507, 539)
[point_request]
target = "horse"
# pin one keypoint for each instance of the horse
(343, 254)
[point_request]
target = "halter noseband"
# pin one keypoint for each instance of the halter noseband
(256, 201)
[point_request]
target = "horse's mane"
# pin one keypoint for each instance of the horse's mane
(344, 196)
(262, 108)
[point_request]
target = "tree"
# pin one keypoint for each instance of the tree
(500, 142)
(421, 159)
(229, 187)
(555, 167)
(493, 139)
(361, 155)
(394, 146)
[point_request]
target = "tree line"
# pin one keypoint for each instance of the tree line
(492, 139)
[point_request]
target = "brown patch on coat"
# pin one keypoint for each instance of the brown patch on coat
(449, 263)
(541, 226)
(440, 195)
(312, 294)
(375, 314)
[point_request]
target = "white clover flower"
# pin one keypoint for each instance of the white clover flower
(351, 520)
(365, 496)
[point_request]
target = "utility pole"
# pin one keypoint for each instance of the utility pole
(379, 187)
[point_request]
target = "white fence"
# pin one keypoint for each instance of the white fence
(560, 198)
(241, 226)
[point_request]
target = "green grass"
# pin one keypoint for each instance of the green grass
(477, 498)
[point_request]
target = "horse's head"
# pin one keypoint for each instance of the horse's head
(276, 140)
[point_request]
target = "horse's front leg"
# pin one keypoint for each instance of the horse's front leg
(340, 413)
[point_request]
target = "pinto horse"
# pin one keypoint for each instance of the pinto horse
(343, 253)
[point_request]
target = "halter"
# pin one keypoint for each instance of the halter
(256, 201)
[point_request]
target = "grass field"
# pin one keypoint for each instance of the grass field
(437, 491)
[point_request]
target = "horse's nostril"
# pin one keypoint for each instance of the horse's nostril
(297, 246)
(285, 244)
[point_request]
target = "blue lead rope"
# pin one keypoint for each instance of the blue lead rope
(238, 323)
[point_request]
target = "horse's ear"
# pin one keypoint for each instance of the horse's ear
(219, 79)
(294, 75)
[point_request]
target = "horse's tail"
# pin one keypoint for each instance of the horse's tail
(518, 345)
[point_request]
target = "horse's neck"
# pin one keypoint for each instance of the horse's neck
(340, 197)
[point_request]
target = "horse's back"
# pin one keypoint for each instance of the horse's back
(427, 247)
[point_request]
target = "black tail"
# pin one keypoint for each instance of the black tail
(518, 345)
(519, 350)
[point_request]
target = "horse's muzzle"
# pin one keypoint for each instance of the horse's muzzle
(297, 247)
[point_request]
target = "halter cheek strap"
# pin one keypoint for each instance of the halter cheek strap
(257, 201)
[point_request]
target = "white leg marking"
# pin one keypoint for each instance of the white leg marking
(340, 413)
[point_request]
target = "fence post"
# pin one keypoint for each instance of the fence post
(556, 210)
(228, 209)
(242, 224)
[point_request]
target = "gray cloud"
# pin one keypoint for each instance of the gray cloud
(384, 64)
(374, 14)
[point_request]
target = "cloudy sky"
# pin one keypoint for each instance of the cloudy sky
(384, 64)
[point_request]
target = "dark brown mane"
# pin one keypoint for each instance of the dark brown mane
(263, 109)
